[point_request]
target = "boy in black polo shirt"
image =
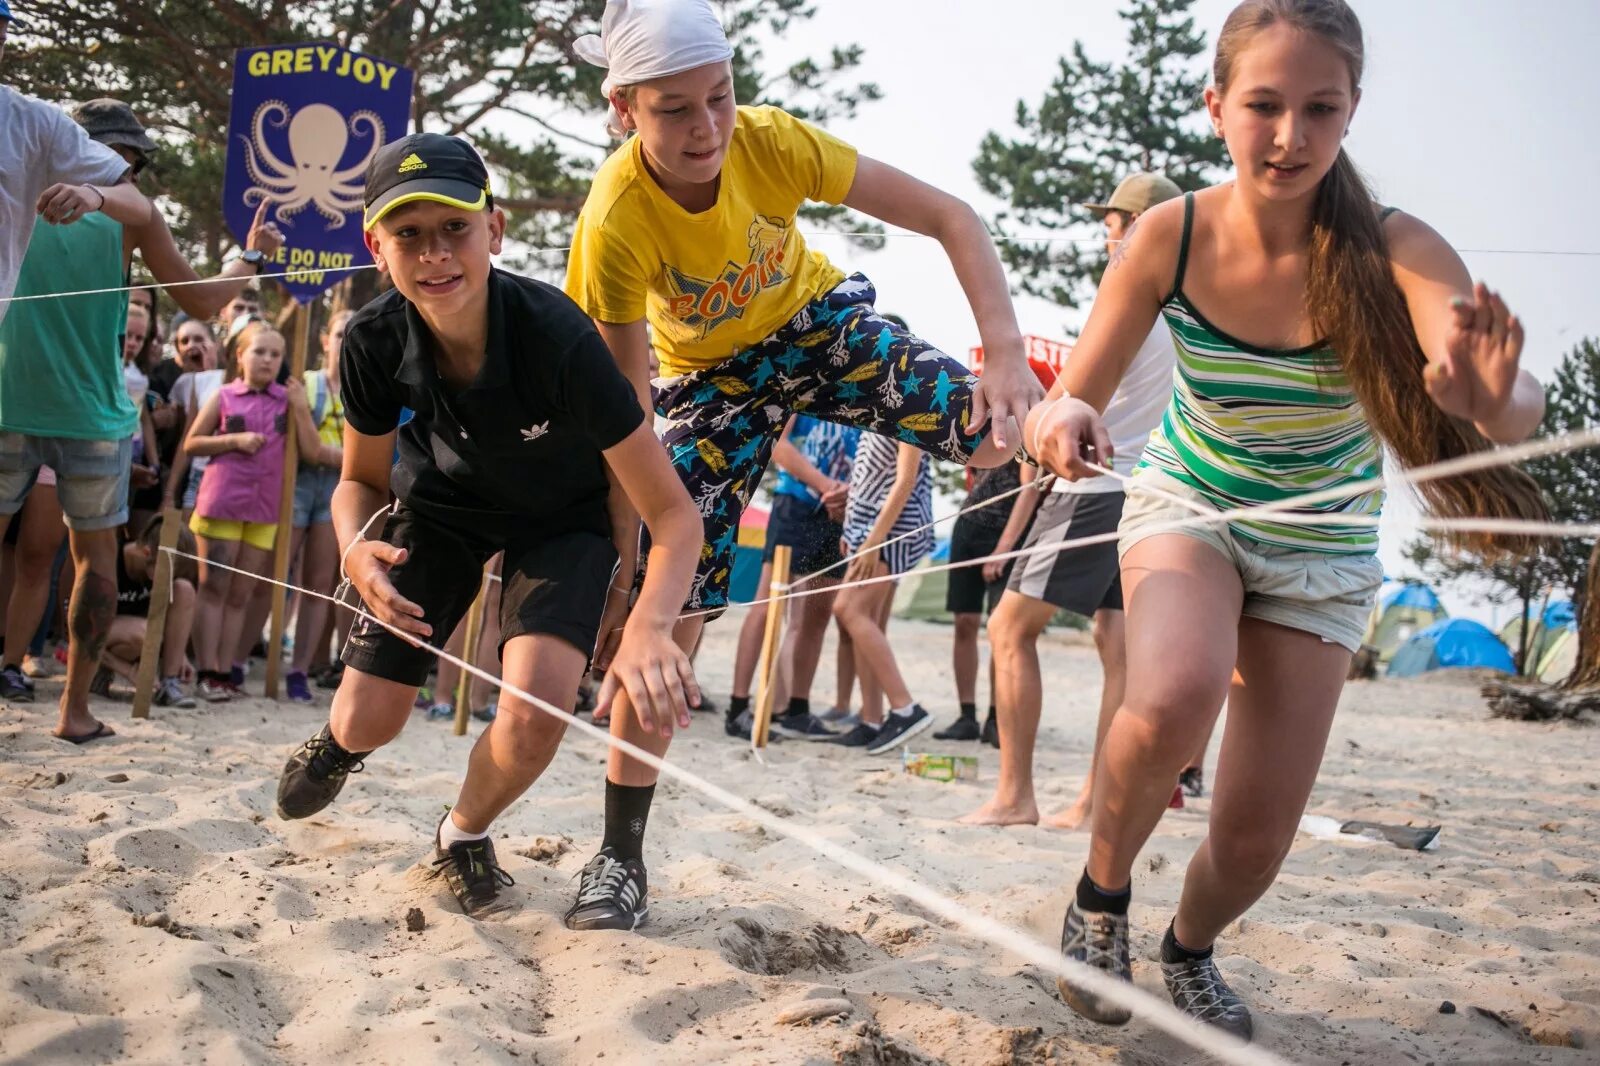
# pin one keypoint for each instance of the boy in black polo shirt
(523, 423)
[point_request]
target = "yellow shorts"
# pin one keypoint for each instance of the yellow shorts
(256, 534)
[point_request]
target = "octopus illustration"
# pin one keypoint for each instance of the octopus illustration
(318, 136)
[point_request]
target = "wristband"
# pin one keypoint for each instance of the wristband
(101, 194)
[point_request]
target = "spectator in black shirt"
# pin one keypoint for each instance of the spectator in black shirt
(527, 439)
(136, 567)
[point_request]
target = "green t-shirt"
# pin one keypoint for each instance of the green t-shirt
(61, 359)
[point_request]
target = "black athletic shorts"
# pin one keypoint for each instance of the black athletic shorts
(554, 585)
(968, 592)
(806, 528)
(1081, 580)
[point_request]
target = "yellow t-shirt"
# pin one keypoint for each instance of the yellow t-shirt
(716, 282)
(331, 429)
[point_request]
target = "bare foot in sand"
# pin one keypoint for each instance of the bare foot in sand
(1073, 817)
(996, 813)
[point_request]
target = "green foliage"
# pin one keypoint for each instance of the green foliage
(1099, 122)
(502, 62)
(1571, 485)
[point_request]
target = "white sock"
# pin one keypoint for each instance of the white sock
(904, 712)
(450, 833)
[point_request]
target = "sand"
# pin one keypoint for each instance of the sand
(153, 909)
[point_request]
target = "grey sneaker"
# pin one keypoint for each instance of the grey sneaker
(801, 727)
(1197, 988)
(170, 694)
(1098, 940)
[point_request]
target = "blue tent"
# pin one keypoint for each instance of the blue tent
(1559, 614)
(1413, 594)
(1452, 643)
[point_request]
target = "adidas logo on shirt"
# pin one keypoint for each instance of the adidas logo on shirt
(534, 432)
(410, 163)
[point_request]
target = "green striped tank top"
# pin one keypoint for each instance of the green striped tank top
(1249, 426)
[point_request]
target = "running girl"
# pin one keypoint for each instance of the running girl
(689, 240)
(243, 429)
(1310, 327)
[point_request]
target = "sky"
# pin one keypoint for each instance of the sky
(1475, 117)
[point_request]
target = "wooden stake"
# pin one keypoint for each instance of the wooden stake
(280, 551)
(469, 652)
(771, 642)
(155, 625)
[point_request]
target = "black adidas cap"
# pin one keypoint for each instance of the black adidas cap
(425, 166)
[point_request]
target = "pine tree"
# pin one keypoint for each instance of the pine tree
(1099, 122)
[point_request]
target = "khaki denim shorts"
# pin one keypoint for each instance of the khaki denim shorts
(1317, 592)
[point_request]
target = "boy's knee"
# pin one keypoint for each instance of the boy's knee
(182, 591)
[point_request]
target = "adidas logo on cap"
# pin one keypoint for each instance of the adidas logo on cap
(410, 163)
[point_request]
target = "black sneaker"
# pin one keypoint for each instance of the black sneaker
(858, 737)
(100, 683)
(314, 775)
(899, 728)
(805, 726)
(331, 677)
(1098, 940)
(707, 705)
(1193, 781)
(991, 730)
(1200, 992)
(612, 894)
(470, 869)
(962, 728)
(15, 685)
(741, 726)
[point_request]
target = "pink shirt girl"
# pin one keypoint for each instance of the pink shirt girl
(239, 487)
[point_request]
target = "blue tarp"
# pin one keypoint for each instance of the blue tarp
(1452, 643)
(1559, 615)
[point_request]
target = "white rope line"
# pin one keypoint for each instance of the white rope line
(1283, 512)
(808, 234)
(1161, 1015)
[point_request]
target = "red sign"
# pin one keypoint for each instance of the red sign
(1045, 356)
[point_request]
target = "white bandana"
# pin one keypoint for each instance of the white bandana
(644, 39)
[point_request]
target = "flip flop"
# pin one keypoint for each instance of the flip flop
(101, 731)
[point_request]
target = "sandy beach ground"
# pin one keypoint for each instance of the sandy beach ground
(153, 909)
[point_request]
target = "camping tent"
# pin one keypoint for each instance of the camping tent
(1401, 612)
(752, 541)
(1552, 641)
(1452, 643)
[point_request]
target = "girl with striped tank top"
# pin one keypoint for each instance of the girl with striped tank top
(1313, 329)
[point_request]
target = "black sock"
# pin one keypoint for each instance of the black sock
(798, 708)
(969, 710)
(1173, 951)
(627, 811)
(1091, 897)
(991, 710)
(737, 705)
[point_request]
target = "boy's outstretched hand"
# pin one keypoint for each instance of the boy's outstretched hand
(657, 676)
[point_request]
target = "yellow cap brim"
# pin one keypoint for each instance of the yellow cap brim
(383, 205)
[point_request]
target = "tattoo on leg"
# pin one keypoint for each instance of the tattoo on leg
(94, 608)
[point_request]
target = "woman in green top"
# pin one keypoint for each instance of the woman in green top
(1310, 325)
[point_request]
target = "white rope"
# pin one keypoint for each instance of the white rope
(1162, 1015)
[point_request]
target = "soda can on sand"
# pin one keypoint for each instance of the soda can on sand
(940, 767)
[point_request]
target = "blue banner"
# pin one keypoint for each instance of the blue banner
(305, 120)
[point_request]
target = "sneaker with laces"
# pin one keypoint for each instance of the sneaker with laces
(15, 686)
(100, 683)
(612, 894)
(859, 736)
(837, 715)
(801, 727)
(1099, 940)
(169, 693)
(1193, 781)
(474, 875)
(331, 676)
(962, 728)
(214, 689)
(299, 688)
(440, 711)
(899, 728)
(1197, 989)
(314, 775)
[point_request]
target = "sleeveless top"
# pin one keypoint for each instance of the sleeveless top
(871, 481)
(61, 359)
(1250, 425)
(244, 488)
